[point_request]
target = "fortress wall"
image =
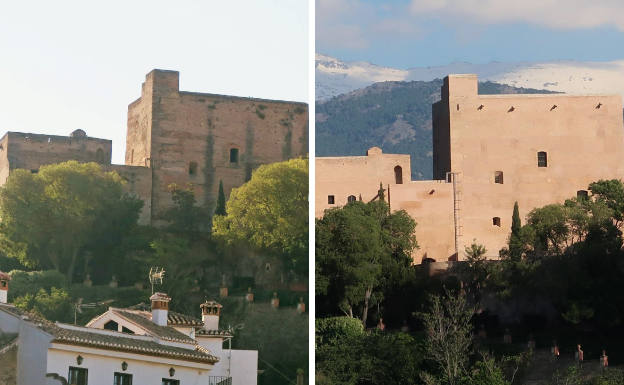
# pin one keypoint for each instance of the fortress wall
(583, 144)
(138, 183)
(356, 175)
(31, 151)
(138, 136)
(430, 203)
(192, 135)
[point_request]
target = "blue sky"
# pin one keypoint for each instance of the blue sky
(404, 33)
(72, 64)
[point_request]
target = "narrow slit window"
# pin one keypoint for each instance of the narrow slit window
(192, 168)
(496, 221)
(398, 175)
(233, 155)
(351, 198)
(542, 159)
(498, 177)
(330, 199)
(582, 195)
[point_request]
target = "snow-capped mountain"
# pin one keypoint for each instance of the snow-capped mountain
(335, 77)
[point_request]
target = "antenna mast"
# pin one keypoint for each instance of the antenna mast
(156, 275)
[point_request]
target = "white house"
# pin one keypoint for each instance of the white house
(126, 346)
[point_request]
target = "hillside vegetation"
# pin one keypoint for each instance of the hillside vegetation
(395, 116)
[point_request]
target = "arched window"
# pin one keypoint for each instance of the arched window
(542, 159)
(496, 221)
(351, 198)
(99, 156)
(192, 170)
(398, 175)
(233, 155)
(498, 177)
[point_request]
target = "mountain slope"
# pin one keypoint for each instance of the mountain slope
(335, 77)
(395, 116)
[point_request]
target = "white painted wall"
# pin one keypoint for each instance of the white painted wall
(8, 322)
(159, 316)
(212, 343)
(241, 365)
(102, 365)
(244, 367)
(32, 353)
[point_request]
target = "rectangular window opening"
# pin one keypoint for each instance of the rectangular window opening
(234, 155)
(330, 199)
(498, 177)
(77, 376)
(192, 168)
(122, 379)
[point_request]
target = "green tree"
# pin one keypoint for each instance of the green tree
(476, 269)
(186, 216)
(270, 213)
(487, 372)
(360, 249)
(448, 326)
(515, 240)
(50, 218)
(55, 306)
(220, 210)
(381, 358)
(611, 192)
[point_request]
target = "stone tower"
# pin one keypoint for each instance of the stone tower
(199, 139)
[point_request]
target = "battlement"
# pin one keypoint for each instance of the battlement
(30, 151)
(57, 139)
(162, 81)
(460, 85)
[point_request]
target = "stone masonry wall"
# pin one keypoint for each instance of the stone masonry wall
(31, 151)
(582, 136)
(189, 138)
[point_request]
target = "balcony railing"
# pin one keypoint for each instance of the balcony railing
(219, 380)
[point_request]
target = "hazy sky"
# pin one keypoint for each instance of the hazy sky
(78, 64)
(410, 33)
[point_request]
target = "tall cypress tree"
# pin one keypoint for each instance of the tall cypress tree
(220, 209)
(515, 221)
(515, 243)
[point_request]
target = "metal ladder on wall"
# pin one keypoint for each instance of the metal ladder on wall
(455, 178)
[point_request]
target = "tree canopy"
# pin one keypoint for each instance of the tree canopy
(361, 248)
(270, 213)
(51, 218)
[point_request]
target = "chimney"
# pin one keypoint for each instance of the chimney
(4, 287)
(211, 310)
(160, 308)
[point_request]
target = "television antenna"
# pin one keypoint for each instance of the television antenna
(156, 275)
(78, 306)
